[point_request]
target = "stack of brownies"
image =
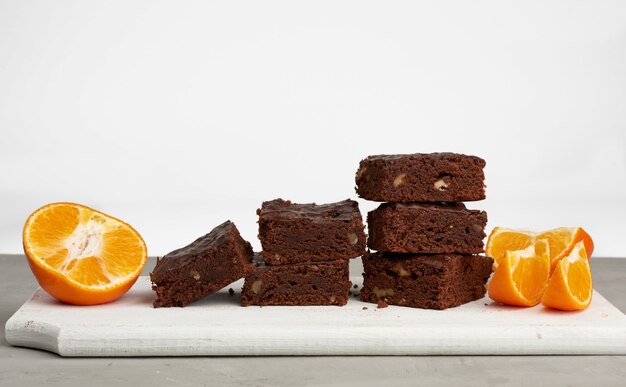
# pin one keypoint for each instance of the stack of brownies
(427, 242)
(306, 251)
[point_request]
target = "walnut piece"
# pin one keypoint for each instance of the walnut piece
(400, 270)
(440, 185)
(399, 180)
(382, 292)
(256, 286)
(353, 238)
(477, 227)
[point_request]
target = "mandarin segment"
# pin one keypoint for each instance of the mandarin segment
(581, 275)
(521, 276)
(120, 252)
(562, 241)
(48, 241)
(502, 240)
(530, 278)
(559, 239)
(571, 286)
(89, 271)
(57, 260)
(82, 256)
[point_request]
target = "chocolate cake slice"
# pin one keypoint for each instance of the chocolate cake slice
(437, 281)
(426, 228)
(201, 268)
(319, 283)
(294, 233)
(419, 177)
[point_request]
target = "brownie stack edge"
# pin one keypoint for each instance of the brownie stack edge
(427, 242)
(306, 253)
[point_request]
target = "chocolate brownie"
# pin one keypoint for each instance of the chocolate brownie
(320, 283)
(434, 177)
(426, 228)
(424, 281)
(201, 268)
(293, 233)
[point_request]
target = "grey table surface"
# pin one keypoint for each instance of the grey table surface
(25, 367)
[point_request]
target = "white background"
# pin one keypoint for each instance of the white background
(176, 116)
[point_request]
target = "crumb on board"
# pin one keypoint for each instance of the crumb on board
(231, 291)
(364, 308)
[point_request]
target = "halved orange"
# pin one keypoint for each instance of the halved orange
(561, 241)
(522, 275)
(82, 256)
(571, 285)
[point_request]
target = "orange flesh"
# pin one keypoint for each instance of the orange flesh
(561, 242)
(571, 285)
(521, 276)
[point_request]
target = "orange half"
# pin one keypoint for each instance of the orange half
(82, 256)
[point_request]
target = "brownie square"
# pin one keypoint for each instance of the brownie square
(293, 233)
(426, 228)
(424, 281)
(320, 283)
(434, 177)
(201, 268)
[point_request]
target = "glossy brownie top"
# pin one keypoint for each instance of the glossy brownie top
(435, 156)
(345, 210)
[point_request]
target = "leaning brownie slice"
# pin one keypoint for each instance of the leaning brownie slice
(292, 233)
(201, 268)
(424, 281)
(434, 177)
(426, 228)
(320, 283)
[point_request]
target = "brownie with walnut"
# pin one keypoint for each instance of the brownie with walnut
(421, 177)
(319, 283)
(205, 266)
(426, 228)
(437, 281)
(295, 233)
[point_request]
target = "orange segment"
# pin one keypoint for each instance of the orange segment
(121, 239)
(570, 287)
(521, 276)
(504, 239)
(561, 241)
(46, 241)
(89, 271)
(82, 256)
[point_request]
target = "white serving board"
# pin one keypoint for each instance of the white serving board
(218, 326)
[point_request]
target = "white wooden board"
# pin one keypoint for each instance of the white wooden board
(217, 325)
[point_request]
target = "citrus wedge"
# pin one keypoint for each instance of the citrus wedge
(82, 256)
(521, 276)
(561, 241)
(570, 286)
